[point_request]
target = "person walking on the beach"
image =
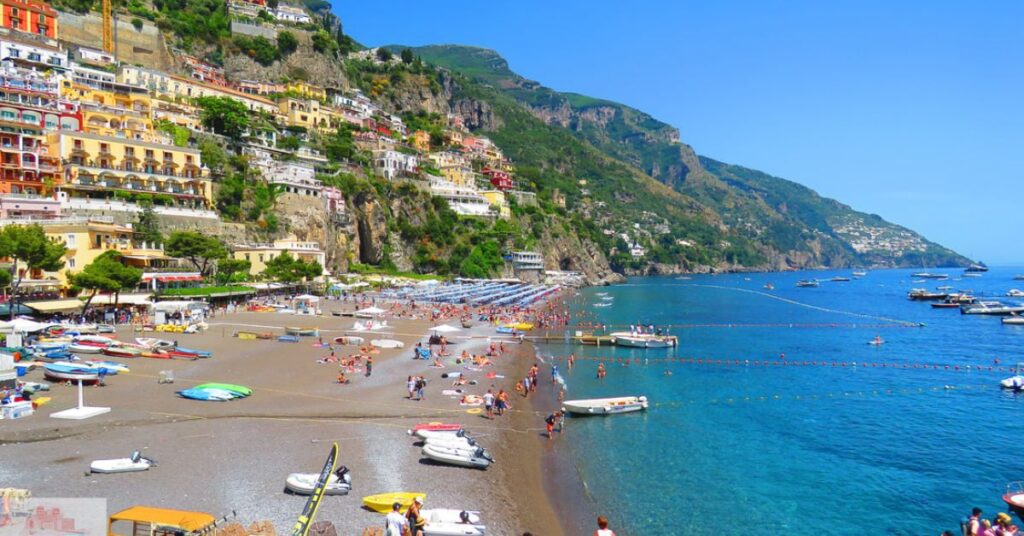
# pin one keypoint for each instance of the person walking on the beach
(410, 385)
(602, 527)
(489, 404)
(502, 401)
(369, 365)
(549, 423)
(421, 383)
(395, 523)
(526, 386)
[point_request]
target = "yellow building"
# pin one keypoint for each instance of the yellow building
(182, 115)
(306, 90)
(310, 114)
(420, 140)
(120, 110)
(101, 166)
(259, 255)
(497, 199)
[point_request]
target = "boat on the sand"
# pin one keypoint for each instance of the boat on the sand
(452, 522)
(302, 332)
(605, 406)
(477, 458)
(122, 465)
(382, 501)
(339, 483)
(349, 340)
(67, 372)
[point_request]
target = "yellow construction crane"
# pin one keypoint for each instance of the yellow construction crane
(108, 26)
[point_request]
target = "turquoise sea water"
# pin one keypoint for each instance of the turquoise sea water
(799, 449)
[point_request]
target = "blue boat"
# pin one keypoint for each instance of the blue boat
(217, 395)
(197, 353)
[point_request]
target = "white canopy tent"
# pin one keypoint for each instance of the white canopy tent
(22, 325)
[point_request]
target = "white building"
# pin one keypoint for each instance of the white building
(527, 260)
(464, 201)
(45, 56)
(291, 14)
(391, 164)
(94, 56)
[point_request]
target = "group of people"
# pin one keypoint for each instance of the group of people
(415, 385)
(976, 525)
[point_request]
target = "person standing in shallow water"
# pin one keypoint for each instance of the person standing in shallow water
(601, 373)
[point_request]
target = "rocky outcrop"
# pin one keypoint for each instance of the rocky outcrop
(476, 114)
(371, 230)
(566, 251)
(303, 64)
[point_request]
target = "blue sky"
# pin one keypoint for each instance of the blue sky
(910, 110)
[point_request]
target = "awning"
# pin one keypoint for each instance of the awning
(55, 306)
(124, 299)
(171, 277)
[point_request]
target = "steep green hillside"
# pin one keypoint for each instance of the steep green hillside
(790, 225)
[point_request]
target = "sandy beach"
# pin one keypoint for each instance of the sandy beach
(220, 457)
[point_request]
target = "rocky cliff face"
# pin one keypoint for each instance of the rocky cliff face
(303, 64)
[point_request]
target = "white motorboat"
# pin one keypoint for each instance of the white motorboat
(643, 340)
(451, 441)
(122, 465)
(1014, 320)
(427, 434)
(1013, 382)
(860, 273)
(602, 304)
(1015, 293)
(970, 274)
(605, 406)
(339, 483)
(451, 522)
(477, 458)
(991, 308)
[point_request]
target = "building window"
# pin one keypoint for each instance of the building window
(71, 263)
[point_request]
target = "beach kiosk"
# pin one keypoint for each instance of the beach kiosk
(306, 304)
(150, 521)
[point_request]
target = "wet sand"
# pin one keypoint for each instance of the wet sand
(219, 457)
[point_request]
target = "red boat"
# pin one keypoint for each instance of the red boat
(1014, 498)
(437, 427)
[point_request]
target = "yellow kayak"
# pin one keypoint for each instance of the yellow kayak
(382, 502)
(521, 326)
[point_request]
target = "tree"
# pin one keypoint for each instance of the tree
(199, 249)
(287, 269)
(229, 270)
(212, 154)
(224, 115)
(93, 279)
(28, 245)
(289, 143)
(323, 43)
(146, 227)
(407, 56)
(286, 42)
(383, 54)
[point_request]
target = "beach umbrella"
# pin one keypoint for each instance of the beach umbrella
(445, 328)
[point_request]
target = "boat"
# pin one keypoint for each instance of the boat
(860, 273)
(65, 372)
(607, 298)
(839, 279)
(976, 267)
(349, 340)
(427, 434)
(1014, 320)
(122, 465)
(929, 275)
(605, 406)
(477, 458)
(240, 390)
(217, 395)
(602, 304)
(436, 427)
(921, 294)
(105, 328)
(945, 304)
(807, 283)
(643, 340)
(769, 286)
(387, 343)
(382, 502)
(111, 366)
(1013, 382)
(1018, 277)
(121, 351)
(1015, 293)
(150, 342)
(302, 332)
(991, 308)
(192, 352)
(451, 441)
(451, 522)
(1014, 498)
(150, 521)
(944, 287)
(971, 274)
(84, 349)
(339, 483)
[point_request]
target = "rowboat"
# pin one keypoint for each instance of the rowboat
(339, 483)
(121, 351)
(349, 340)
(605, 406)
(190, 351)
(476, 458)
(62, 372)
(302, 332)
(84, 349)
(382, 501)
(219, 395)
(150, 342)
